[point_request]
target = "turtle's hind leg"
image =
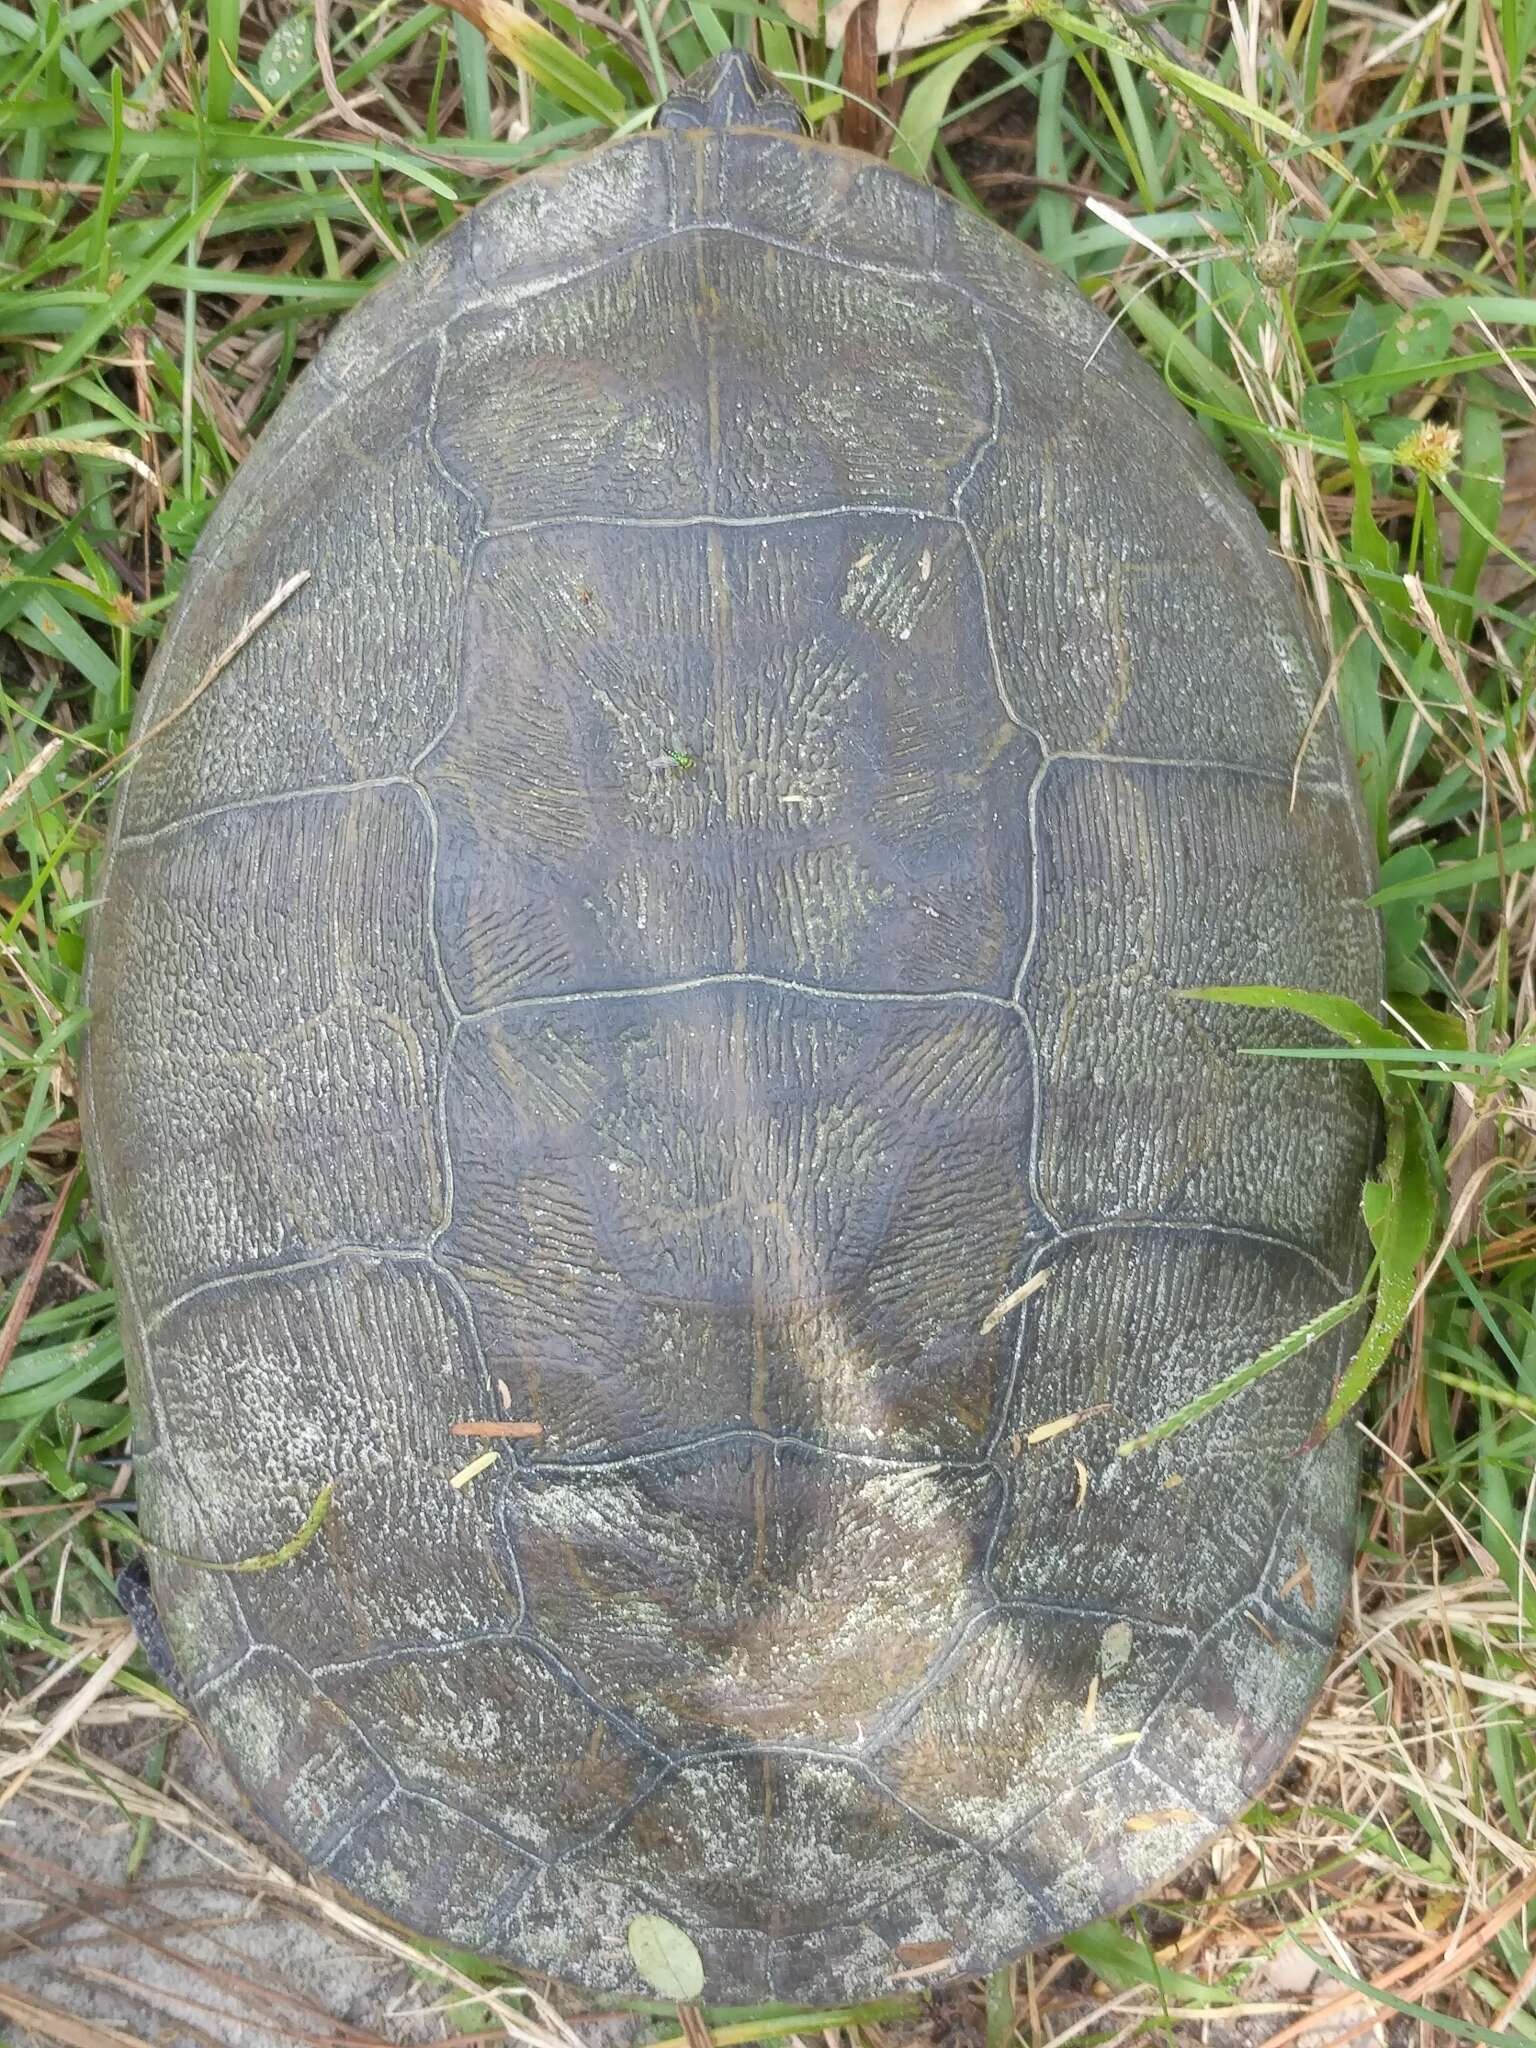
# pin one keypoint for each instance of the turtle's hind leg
(138, 1603)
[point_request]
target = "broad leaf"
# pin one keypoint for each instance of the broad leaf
(1399, 1205)
(665, 1957)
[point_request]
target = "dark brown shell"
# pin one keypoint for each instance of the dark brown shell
(671, 927)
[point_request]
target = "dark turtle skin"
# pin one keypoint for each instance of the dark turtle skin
(675, 934)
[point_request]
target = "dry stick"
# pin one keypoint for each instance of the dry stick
(861, 77)
(1467, 1943)
(50, 187)
(54, 1507)
(220, 662)
(340, 105)
(95, 1901)
(18, 783)
(21, 1307)
(53, 2023)
(470, 167)
(1516, 1999)
(696, 2031)
(19, 1769)
(209, 676)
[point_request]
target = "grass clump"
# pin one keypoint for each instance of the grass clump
(1315, 220)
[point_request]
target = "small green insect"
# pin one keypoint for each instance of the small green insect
(677, 758)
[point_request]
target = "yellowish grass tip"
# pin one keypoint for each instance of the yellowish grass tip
(1012, 1301)
(473, 1469)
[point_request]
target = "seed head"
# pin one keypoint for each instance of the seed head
(1431, 450)
(1274, 263)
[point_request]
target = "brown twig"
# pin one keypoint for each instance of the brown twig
(217, 666)
(1467, 1942)
(860, 126)
(52, 2023)
(21, 1306)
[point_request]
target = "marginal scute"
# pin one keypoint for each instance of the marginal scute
(1103, 1842)
(962, 1910)
(1224, 1730)
(200, 1613)
(528, 238)
(1050, 325)
(455, 1723)
(770, 1842)
(207, 1632)
(306, 1768)
(847, 1952)
(569, 1922)
(235, 516)
(394, 332)
(1312, 1565)
(432, 1868)
(360, 509)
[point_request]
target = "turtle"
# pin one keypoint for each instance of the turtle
(653, 1107)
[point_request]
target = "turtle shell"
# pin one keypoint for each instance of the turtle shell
(676, 935)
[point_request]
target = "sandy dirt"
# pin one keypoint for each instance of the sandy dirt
(187, 1956)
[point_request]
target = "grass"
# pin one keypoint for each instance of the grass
(1316, 220)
